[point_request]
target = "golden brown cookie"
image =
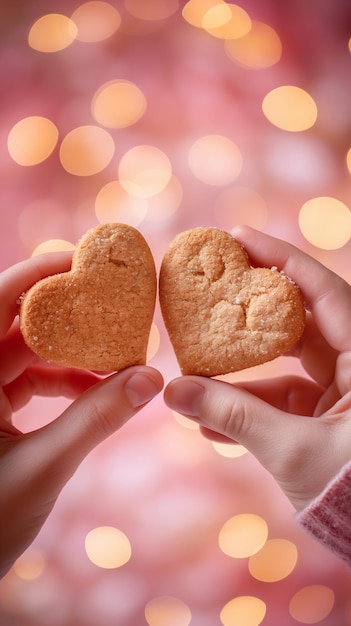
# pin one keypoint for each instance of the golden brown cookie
(221, 314)
(98, 315)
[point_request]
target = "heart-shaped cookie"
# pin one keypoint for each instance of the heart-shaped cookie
(221, 314)
(98, 315)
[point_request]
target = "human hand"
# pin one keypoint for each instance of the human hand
(298, 428)
(35, 466)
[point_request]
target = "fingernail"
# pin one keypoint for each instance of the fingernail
(140, 389)
(186, 397)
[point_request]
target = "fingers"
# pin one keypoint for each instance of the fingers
(286, 445)
(290, 394)
(327, 295)
(15, 356)
(38, 464)
(17, 279)
(48, 381)
(94, 416)
(227, 410)
(317, 357)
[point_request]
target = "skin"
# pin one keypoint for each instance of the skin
(299, 428)
(35, 466)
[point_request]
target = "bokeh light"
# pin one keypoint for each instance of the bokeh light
(348, 160)
(86, 150)
(32, 140)
(215, 160)
(96, 21)
(144, 171)
(102, 104)
(290, 108)
(107, 547)
(312, 604)
(52, 32)
(261, 47)
(167, 611)
(275, 561)
(114, 204)
(53, 245)
(230, 451)
(243, 535)
(154, 342)
(194, 11)
(325, 222)
(243, 610)
(217, 16)
(118, 104)
(30, 565)
(185, 421)
(226, 21)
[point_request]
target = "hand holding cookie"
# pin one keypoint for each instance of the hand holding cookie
(35, 466)
(298, 428)
(221, 314)
(98, 315)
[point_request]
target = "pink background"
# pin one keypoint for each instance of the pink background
(163, 485)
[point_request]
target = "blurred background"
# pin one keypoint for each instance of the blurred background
(168, 115)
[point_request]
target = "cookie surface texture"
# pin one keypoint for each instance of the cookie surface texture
(222, 315)
(98, 315)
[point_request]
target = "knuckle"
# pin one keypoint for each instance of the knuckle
(229, 417)
(101, 421)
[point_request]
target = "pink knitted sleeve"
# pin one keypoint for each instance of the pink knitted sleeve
(328, 517)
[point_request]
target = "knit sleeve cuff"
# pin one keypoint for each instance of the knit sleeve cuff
(328, 517)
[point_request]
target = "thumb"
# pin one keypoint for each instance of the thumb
(285, 444)
(228, 411)
(94, 416)
(38, 464)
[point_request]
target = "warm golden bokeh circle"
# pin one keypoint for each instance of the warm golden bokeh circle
(144, 171)
(243, 535)
(107, 547)
(243, 610)
(86, 150)
(290, 108)
(325, 222)
(32, 140)
(312, 604)
(275, 561)
(114, 204)
(226, 21)
(165, 610)
(52, 32)
(261, 47)
(118, 104)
